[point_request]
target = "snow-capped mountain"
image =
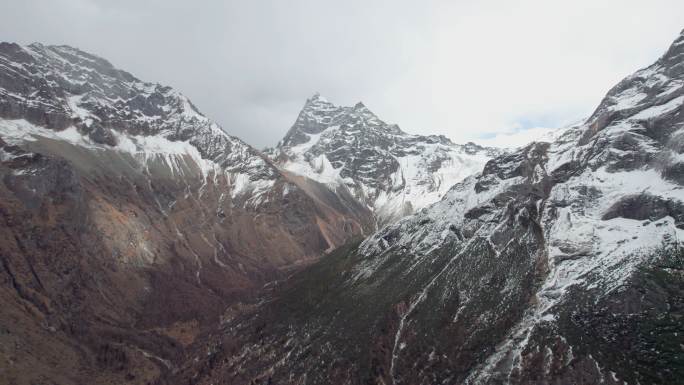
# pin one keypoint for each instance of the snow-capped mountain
(83, 98)
(558, 263)
(391, 172)
(130, 220)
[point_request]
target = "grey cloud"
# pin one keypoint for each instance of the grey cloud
(455, 68)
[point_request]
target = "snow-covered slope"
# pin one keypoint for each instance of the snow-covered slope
(390, 171)
(558, 263)
(84, 99)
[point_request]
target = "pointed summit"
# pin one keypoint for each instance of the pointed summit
(317, 97)
(382, 167)
(317, 102)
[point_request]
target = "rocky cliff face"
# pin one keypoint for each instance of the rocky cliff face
(559, 263)
(389, 171)
(130, 221)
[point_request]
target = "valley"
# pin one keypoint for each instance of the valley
(141, 243)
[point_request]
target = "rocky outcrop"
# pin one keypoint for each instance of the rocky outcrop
(647, 207)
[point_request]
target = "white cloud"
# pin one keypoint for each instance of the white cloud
(465, 69)
(520, 138)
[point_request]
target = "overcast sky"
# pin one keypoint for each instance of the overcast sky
(471, 70)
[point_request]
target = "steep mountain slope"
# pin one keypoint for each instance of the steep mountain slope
(389, 171)
(560, 263)
(130, 221)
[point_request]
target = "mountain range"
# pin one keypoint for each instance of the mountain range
(141, 243)
(131, 220)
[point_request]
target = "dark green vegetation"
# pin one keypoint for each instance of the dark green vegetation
(638, 330)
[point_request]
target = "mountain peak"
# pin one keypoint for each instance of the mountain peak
(316, 102)
(656, 84)
(69, 53)
(384, 168)
(317, 98)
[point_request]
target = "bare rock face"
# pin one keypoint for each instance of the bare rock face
(559, 263)
(391, 172)
(130, 221)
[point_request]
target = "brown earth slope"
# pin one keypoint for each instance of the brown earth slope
(115, 259)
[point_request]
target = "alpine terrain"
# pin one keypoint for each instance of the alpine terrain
(558, 263)
(129, 221)
(142, 244)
